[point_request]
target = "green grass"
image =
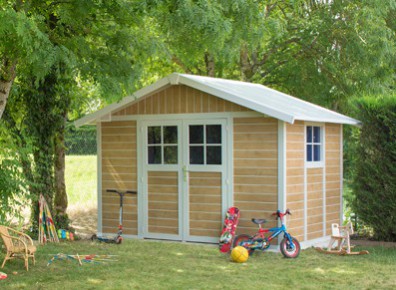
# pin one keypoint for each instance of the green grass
(81, 180)
(171, 265)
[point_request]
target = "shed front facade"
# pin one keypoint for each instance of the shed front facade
(194, 146)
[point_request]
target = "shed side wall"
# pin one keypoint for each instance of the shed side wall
(295, 178)
(333, 175)
(119, 172)
(314, 203)
(255, 170)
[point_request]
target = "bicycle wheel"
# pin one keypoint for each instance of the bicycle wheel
(288, 250)
(243, 240)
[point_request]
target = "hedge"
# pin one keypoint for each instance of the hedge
(374, 182)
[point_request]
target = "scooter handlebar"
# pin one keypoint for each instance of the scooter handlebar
(122, 192)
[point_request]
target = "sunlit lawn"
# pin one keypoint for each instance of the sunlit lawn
(170, 265)
(81, 180)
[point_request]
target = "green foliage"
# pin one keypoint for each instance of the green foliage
(80, 141)
(374, 182)
(12, 183)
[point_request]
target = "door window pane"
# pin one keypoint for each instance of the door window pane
(309, 152)
(316, 135)
(170, 134)
(309, 134)
(196, 134)
(213, 155)
(170, 154)
(316, 153)
(154, 155)
(213, 134)
(196, 155)
(154, 135)
(162, 144)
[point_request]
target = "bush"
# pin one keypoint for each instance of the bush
(374, 181)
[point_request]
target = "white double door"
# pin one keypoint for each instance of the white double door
(184, 178)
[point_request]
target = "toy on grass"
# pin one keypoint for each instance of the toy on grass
(93, 258)
(3, 276)
(228, 232)
(289, 246)
(239, 254)
(118, 238)
(47, 231)
(341, 235)
(65, 235)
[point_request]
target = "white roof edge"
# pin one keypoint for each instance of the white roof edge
(349, 121)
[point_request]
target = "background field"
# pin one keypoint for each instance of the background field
(81, 186)
(81, 180)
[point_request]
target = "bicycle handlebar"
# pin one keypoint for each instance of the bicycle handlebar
(280, 214)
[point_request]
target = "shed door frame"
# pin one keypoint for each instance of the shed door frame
(226, 168)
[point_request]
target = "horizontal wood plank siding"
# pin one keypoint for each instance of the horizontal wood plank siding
(255, 170)
(180, 99)
(333, 175)
(295, 178)
(314, 203)
(205, 204)
(119, 172)
(163, 202)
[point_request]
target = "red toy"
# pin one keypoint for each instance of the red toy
(228, 232)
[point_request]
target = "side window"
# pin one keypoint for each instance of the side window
(314, 144)
(205, 143)
(162, 145)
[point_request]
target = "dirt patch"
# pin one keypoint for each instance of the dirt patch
(84, 221)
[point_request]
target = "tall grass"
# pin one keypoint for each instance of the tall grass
(81, 180)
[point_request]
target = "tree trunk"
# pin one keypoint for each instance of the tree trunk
(60, 201)
(245, 65)
(210, 64)
(7, 76)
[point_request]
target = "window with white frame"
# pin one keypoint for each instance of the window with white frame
(314, 145)
(162, 145)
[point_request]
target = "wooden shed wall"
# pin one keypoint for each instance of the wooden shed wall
(118, 148)
(315, 210)
(255, 170)
(180, 99)
(295, 178)
(333, 174)
(301, 181)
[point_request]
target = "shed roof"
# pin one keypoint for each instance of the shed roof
(256, 97)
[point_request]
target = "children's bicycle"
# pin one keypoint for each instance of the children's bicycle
(289, 246)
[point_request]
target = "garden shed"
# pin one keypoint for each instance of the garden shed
(193, 146)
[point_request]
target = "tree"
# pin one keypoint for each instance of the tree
(322, 51)
(94, 41)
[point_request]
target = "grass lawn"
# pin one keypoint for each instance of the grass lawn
(170, 265)
(81, 180)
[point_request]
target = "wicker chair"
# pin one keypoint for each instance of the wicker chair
(18, 245)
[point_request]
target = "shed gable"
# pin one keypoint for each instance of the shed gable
(180, 99)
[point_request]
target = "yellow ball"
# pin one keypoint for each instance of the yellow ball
(239, 254)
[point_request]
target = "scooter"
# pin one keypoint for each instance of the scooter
(118, 238)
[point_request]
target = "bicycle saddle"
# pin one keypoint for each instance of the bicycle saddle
(259, 221)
